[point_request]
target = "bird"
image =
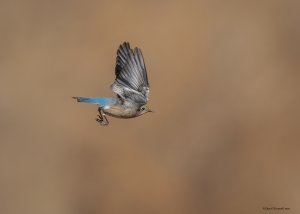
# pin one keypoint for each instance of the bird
(131, 87)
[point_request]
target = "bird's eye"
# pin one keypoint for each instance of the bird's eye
(143, 109)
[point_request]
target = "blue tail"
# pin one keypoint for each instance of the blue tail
(101, 101)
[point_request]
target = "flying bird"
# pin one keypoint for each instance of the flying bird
(131, 86)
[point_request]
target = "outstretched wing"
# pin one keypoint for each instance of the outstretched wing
(131, 82)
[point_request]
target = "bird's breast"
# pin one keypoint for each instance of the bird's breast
(120, 111)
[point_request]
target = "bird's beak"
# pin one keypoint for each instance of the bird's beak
(151, 111)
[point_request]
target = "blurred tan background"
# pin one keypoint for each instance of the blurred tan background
(224, 79)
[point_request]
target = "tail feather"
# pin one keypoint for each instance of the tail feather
(101, 101)
(84, 99)
(77, 98)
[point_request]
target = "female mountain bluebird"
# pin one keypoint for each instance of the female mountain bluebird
(131, 86)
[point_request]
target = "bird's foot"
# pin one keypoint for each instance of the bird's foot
(102, 120)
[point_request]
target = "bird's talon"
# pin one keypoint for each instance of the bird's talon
(101, 122)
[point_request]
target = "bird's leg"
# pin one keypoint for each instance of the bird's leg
(102, 120)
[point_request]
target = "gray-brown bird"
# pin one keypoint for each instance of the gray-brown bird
(131, 86)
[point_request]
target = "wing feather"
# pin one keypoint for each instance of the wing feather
(131, 81)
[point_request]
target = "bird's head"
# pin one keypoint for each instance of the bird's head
(144, 110)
